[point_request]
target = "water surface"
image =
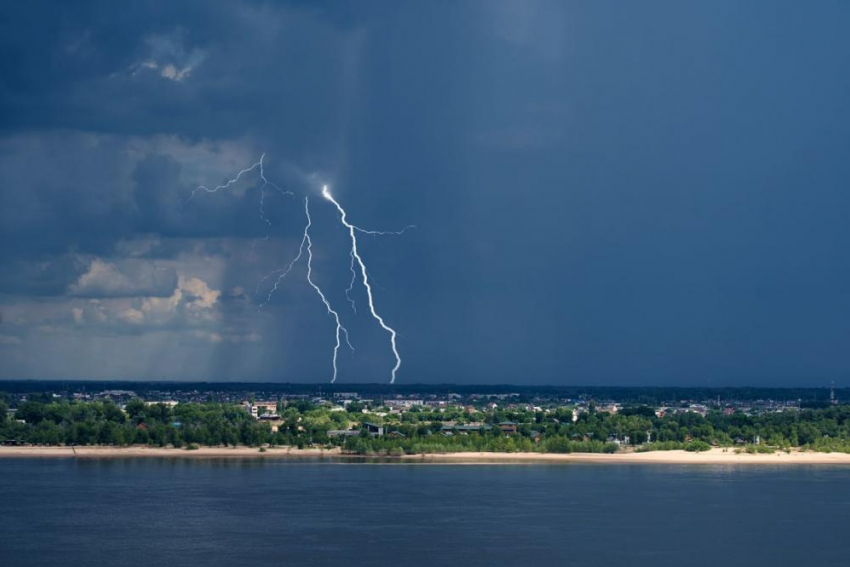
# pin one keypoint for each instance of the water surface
(131, 512)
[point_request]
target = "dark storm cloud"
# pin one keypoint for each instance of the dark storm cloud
(191, 68)
(605, 193)
(65, 194)
(102, 78)
(168, 206)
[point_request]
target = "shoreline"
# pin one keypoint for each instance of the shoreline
(715, 456)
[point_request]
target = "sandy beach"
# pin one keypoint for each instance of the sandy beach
(712, 457)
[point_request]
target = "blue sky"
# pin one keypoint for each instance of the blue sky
(604, 192)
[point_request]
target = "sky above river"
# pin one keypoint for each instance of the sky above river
(602, 192)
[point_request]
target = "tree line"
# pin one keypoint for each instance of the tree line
(420, 430)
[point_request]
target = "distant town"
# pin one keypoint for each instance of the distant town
(395, 420)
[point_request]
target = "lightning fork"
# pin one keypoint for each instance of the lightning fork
(352, 231)
(306, 240)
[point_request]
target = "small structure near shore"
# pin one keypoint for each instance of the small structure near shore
(374, 429)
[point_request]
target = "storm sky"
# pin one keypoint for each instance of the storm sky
(605, 193)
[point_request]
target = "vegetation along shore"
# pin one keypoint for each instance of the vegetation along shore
(41, 426)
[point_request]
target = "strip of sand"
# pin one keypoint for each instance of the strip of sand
(711, 457)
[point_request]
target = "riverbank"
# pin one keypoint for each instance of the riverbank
(712, 457)
(143, 451)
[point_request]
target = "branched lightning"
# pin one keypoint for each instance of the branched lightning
(350, 287)
(283, 272)
(263, 216)
(266, 183)
(331, 312)
(228, 183)
(384, 232)
(307, 244)
(352, 231)
(353, 280)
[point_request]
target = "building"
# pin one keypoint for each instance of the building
(266, 407)
(274, 420)
(251, 409)
(403, 403)
(347, 395)
(374, 429)
(166, 403)
(256, 409)
(464, 429)
(508, 427)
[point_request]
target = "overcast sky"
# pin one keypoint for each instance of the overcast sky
(604, 192)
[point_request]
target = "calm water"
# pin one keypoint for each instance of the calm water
(194, 513)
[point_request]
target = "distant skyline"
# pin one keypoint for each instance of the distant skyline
(604, 193)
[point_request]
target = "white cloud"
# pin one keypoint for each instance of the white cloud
(202, 297)
(169, 58)
(126, 278)
(132, 316)
(193, 297)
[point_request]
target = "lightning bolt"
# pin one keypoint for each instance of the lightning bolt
(230, 182)
(355, 255)
(263, 216)
(353, 280)
(331, 312)
(350, 287)
(307, 244)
